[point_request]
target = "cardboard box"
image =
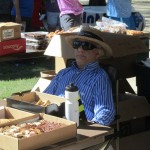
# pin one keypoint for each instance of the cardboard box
(60, 63)
(41, 85)
(58, 47)
(41, 140)
(44, 80)
(11, 113)
(23, 102)
(133, 111)
(9, 30)
(12, 46)
(133, 107)
(121, 45)
(3, 102)
(127, 50)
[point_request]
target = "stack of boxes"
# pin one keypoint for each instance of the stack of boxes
(10, 39)
(36, 41)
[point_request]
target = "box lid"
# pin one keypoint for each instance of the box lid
(124, 45)
(58, 47)
(41, 85)
(9, 24)
(121, 45)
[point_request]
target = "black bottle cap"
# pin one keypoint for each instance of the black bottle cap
(71, 88)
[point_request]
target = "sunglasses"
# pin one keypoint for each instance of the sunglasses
(85, 45)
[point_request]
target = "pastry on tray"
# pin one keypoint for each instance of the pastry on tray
(134, 32)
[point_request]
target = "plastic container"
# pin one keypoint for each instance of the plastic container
(72, 104)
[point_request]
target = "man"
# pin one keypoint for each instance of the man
(22, 12)
(92, 81)
(52, 12)
(70, 13)
(122, 11)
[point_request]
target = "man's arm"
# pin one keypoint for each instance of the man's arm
(17, 8)
(104, 110)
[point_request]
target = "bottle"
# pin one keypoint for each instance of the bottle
(71, 103)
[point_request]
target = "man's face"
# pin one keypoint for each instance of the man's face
(84, 56)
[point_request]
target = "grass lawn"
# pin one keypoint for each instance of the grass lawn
(17, 76)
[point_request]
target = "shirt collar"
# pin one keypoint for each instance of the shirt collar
(89, 66)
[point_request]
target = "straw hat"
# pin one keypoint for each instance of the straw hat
(91, 35)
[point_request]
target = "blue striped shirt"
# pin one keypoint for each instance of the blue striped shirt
(94, 88)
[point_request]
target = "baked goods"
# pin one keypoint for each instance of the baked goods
(51, 34)
(26, 130)
(5, 120)
(36, 41)
(43, 103)
(134, 32)
(31, 99)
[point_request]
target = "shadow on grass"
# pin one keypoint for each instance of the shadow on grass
(26, 68)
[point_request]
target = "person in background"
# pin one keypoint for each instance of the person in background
(52, 14)
(22, 11)
(5, 10)
(121, 10)
(38, 9)
(70, 13)
(92, 81)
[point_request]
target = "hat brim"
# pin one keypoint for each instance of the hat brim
(99, 44)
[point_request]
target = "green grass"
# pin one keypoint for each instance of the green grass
(20, 76)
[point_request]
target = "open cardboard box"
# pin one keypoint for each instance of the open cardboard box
(23, 102)
(41, 140)
(121, 45)
(3, 102)
(41, 85)
(12, 114)
(59, 47)
(44, 80)
(125, 50)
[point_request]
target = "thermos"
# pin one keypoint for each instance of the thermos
(71, 103)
